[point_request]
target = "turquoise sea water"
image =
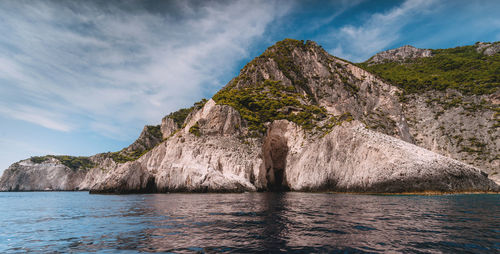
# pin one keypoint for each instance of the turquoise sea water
(249, 222)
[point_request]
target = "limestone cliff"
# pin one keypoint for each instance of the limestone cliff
(52, 173)
(467, 131)
(349, 158)
(63, 172)
(451, 101)
(296, 118)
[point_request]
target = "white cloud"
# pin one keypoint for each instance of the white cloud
(357, 43)
(104, 67)
(47, 119)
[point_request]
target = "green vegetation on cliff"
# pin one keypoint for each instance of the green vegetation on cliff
(195, 129)
(72, 162)
(460, 68)
(282, 54)
(180, 115)
(122, 158)
(268, 101)
(140, 146)
(155, 131)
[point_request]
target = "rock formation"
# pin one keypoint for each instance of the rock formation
(399, 55)
(455, 109)
(487, 48)
(168, 127)
(296, 118)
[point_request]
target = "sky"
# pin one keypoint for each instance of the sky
(83, 77)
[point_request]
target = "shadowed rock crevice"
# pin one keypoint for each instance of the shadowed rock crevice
(275, 151)
(151, 185)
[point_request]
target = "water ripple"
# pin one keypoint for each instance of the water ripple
(248, 223)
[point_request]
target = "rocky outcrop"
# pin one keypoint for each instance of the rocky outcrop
(488, 48)
(213, 119)
(355, 159)
(150, 137)
(73, 173)
(451, 109)
(400, 54)
(168, 127)
(344, 130)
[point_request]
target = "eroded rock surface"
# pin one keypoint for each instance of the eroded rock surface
(350, 158)
(150, 137)
(453, 116)
(216, 161)
(168, 127)
(51, 175)
(355, 159)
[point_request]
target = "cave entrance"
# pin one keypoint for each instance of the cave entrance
(275, 151)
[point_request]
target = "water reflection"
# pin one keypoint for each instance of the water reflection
(250, 222)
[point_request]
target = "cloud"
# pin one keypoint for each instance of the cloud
(37, 116)
(104, 66)
(379, 31)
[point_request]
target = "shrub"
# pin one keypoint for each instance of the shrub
(269, 101)
(180, 115)
(155, 131)
(72, 162)
(195, 129)
(39, 159)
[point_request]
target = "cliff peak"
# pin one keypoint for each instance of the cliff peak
(300, 82)
(287, 45)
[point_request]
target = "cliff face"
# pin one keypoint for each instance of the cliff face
(48, 175)
(355, 159)
(471, 136)
(349, 158)
(295, 118)
(212, 159)
(52, 175)
(74, 173)
(451, 101)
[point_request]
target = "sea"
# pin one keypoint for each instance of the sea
(291, 222)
